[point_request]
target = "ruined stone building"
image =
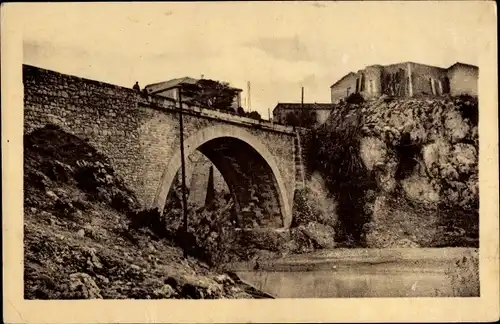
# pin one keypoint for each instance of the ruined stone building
(407, 80)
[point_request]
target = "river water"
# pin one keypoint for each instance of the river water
(316, 277)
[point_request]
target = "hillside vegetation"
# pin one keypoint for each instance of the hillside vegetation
(84, 236)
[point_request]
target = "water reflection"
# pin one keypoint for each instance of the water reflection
(345, 283)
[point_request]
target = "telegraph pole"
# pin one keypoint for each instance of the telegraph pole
(302, 106)
(183, 173)
(302, 98)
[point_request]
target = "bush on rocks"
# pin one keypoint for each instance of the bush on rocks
(421, 150)
(54, 156)
(302, 212)
(337, 157)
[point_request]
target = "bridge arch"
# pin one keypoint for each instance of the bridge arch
(245, 163)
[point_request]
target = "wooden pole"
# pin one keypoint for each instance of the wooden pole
(183, 174)
(302, 107)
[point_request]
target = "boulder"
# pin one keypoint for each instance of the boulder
(166, 291)
(264, 239)
(372, 151)
(84, 286)
(419, 188)
(191, 287)
(323, 236)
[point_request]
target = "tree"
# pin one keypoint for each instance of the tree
(254, 115)
(210, 94)
(240, 111)
(292, 119)
(355, 98)
(301, 118)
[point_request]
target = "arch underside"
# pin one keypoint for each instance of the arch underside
(249, 171)
(250, 180)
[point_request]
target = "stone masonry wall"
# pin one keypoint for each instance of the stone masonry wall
(104, 114)
(138, 133)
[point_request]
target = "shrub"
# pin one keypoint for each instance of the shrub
(355, 98)
(336, 157)
(254, 115)
(302, 211)
(240, 111)
(150, 219)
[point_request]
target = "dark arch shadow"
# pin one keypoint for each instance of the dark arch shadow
(248, 168)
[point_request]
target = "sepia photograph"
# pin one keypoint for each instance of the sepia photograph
(259, 150)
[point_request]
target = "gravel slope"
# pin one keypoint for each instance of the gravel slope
(78, 242)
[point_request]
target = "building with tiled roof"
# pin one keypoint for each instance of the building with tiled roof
(170, 89)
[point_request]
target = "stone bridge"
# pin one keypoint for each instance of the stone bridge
(140, 134)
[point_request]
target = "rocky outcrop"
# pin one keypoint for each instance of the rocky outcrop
(428, 146)
(415, 161)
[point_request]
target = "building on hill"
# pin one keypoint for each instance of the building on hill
(306, 115)
(170, 89)
(407, 79)
(463, 79)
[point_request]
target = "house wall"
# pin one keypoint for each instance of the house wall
(174, 94)
(369, 86)
(279, 116)
(460, 79)
(236, 101)
(322, 115)
(463, 80)
(392, 70)
(339, 91)
(421, 75)
(170, 93)
(372, 81)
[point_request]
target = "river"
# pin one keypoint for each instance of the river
(364, 273)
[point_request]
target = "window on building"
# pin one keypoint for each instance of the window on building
(348, 91)
(433, 86)
(446, 85)
(371, 87)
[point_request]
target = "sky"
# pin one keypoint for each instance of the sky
(277, 47)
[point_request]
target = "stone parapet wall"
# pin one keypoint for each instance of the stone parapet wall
(138, 132)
